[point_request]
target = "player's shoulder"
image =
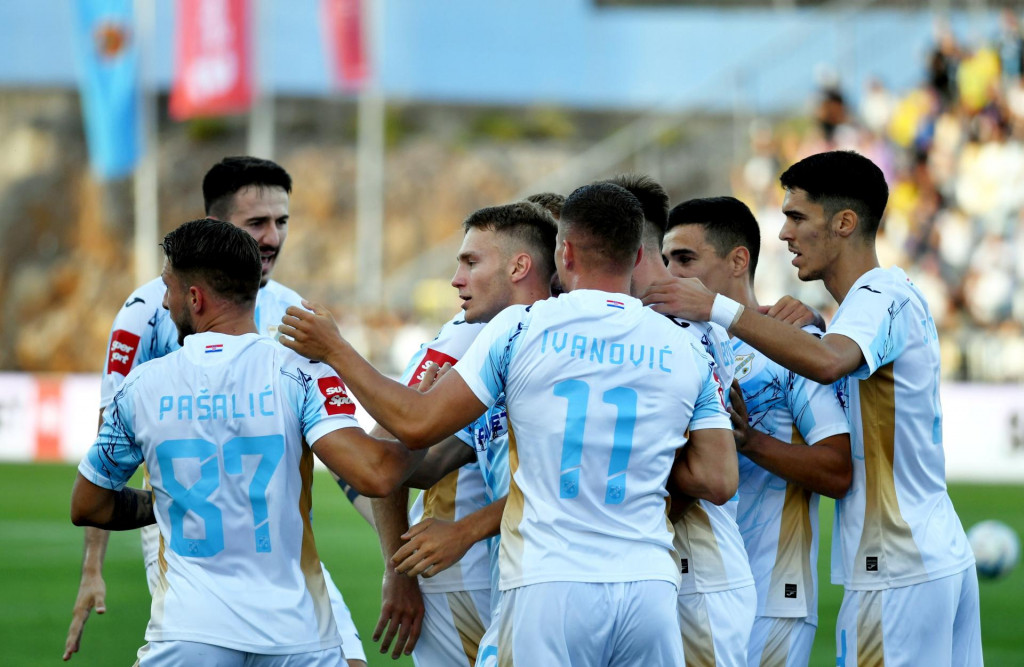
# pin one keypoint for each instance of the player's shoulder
(281, 294)
(144, 299)
(889, 282)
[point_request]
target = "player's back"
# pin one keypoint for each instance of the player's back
(600, 392)
(221, 425)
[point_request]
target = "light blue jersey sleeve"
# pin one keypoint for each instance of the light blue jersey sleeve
(709, 410)
(875, 317)
(321, 400)
(114, 456)
(485, 365)
(817, 412)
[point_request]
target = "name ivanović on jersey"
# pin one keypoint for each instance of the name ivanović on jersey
(215, 406)
(601, 351)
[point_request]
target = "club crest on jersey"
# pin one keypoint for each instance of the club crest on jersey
(744, 364)
(432, 356)
(336, 398)
(210, 349)
(123, 346)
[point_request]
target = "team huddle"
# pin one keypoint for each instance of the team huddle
(621, 451)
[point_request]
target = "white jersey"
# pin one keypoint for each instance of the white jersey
(461, 492)
(600, 392)
(488, 436)
(710, 547)
(143, 329)
(223, 426)
(778, 519)
(896, 525)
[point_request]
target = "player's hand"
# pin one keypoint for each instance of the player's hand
(739, 416)
(793, 311)
(431, 374)
(401, 614)
(92, 593)
(680, 297)
(432, 546)
(311, 331)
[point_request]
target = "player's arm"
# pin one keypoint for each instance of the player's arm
(418, 420)
(372, 466)
(446, 456)
(434, 545)
(823, 360)
(93, 505)
(706, 467)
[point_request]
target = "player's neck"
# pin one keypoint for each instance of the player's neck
(742, 291)
(527, 294)
(600, 282)
(848, 268)
(229, 321)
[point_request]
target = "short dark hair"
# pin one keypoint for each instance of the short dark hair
(841, 180)
(225, 257)
(232, 174)
(727, 223)
(549, 200)
(654, 201)
(523, 221)
(610, 217)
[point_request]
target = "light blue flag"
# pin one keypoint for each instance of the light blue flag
(108, 64)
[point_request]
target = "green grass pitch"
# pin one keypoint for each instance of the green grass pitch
(41, 557)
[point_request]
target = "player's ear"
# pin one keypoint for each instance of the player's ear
(568, 255)
(196, 299)
(639, 256)
(845, 222)
(521, 265)
(739, 260)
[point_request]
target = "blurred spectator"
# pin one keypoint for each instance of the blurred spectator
(953, 154)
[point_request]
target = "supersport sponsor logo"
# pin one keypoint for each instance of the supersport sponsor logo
(336, 398)
(432, 356)
(123, 346)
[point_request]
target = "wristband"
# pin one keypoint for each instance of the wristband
(725, 311)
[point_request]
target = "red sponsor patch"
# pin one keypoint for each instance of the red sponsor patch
(336, 398)
(121, 355)
(432, 356)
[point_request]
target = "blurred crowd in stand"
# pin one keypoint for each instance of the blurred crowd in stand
(953, 153)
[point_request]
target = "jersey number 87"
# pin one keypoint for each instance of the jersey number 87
(270, 449)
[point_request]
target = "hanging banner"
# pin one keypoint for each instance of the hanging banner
(109, 83)
(344, 25)
(212, 71)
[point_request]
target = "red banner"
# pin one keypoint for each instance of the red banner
(343, 22)
(212, 72)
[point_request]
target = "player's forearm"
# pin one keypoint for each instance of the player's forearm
(391, 516)
(440, 460)
(396, 407)
(483, 523)
(126, 509)
(94, 550)
(790, 347)
(820, 468)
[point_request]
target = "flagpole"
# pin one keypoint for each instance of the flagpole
(262, 116)
(145, 181)
(370, 165)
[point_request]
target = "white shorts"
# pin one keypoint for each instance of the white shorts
(590, 625)
(342, 616)
(194, 654)
(350, 641)
(780, 642)
(716, 626)
(453, 625)
(935, 623)
(487, 656)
